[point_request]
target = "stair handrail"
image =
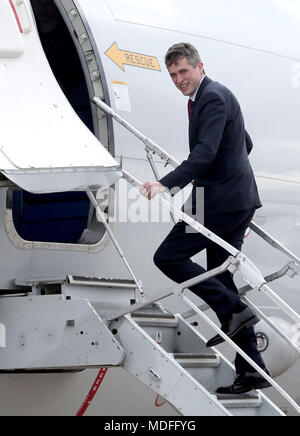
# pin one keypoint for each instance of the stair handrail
(98, 210)
(154, 148)
(180, 288)
(275, 244)
(149, 144)
(250, 272)
(233, 265)
(232, 344)
(248, 267)
(237, 262)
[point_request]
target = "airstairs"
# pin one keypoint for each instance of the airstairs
(72, 323)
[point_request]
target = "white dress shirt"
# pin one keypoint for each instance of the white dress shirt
(195, 93)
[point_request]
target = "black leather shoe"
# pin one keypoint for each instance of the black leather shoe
(246, 318)
(245, 383)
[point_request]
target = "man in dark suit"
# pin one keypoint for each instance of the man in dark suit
(218, 162)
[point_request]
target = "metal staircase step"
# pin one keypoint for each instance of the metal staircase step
(187, 360)
(157, 320)
(169, 349)
(243, 401)
(153, 315)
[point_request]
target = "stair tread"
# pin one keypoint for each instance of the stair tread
(151, 320)
(197, 360)
(252, 399)
(249, 396)
(152, 315)
(195, 356)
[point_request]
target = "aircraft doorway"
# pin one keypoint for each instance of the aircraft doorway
(63, 57)
(62, 218)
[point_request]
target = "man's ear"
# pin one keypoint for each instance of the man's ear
(201, 67)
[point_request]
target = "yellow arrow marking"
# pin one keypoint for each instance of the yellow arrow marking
(123, 57)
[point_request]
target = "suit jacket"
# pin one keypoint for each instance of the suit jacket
(218, 159)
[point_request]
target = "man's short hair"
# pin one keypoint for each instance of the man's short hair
(182, 50)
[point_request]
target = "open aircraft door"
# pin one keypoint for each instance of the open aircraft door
(44, 146)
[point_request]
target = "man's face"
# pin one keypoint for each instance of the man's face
(185, 76)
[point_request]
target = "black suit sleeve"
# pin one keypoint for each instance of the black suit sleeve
(249, 143)
(211, 120)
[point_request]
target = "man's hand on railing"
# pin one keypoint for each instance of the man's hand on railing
(150, 189)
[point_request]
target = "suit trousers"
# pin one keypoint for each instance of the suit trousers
(173, 258)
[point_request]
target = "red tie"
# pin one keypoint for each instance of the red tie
(190, 108)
